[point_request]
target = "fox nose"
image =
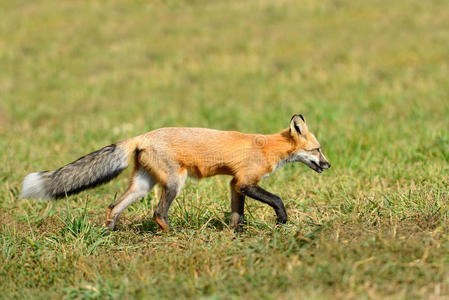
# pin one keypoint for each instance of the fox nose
(325, 165)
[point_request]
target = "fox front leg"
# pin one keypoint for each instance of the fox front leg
(258, 193)
(237, 206)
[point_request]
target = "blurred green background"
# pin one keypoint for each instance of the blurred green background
(370, 77)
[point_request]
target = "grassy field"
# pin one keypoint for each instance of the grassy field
(371, 78)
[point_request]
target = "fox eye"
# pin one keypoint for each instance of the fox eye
(313, 150)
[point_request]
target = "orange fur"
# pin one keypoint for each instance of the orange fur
(170, 154)
(206, 152)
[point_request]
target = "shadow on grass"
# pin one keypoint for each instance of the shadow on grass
(217, 223)
(148, 225)
(144, 226)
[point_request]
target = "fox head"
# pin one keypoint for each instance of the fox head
(307, 148)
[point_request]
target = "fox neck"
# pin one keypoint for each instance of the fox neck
(282, 149)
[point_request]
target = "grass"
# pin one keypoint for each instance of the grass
(371, 78)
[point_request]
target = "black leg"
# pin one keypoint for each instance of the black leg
(258, 193)
(237, 206)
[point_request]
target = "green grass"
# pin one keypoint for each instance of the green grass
(371, 78)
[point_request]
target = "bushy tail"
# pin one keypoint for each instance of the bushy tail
(88, 171)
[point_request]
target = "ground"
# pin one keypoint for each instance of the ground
(370, 77)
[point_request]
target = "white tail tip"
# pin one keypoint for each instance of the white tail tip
(33, 187)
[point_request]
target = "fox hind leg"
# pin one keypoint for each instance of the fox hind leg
(140, 186)
(169, 192)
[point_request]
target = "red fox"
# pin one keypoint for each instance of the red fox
(168, 155)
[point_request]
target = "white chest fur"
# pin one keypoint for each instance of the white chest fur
(280, 164)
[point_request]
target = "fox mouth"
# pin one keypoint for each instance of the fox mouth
(314, 166)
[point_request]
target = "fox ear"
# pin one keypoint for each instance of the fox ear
(298, 125)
